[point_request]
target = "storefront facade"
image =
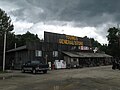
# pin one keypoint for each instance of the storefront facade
(53, 48)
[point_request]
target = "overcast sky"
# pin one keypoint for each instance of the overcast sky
(81, 18)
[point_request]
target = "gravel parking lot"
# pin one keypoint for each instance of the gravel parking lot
(93, 78)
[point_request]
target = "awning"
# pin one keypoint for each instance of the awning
(89, 55)
(18, 49)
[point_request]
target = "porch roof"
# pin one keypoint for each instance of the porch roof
(18, 49)
(82, 54)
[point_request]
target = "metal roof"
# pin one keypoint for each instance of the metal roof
(82, 54)
(18, 49)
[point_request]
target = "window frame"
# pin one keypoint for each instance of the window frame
(38, 53)
(55, 53)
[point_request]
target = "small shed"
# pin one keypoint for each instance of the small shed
(16, 56)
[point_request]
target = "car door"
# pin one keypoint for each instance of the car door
(28, 66)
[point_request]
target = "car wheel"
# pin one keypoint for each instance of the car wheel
(44, 71)
(34, 71)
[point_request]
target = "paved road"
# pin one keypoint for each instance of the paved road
(94, 78)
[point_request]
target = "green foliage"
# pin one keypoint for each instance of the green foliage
(101, 48)
(114, 44)
(112, 36)
(10, 40)
(5, 22)
(104, 48)
(5, 26)
(1, 72)
(27, 37)
(95, 43)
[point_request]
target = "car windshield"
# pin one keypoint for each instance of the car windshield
(35, 62)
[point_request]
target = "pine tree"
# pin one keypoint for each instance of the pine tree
(5, 27)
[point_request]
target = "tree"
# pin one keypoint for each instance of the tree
(27, 37)
(5, 22)
(10, 40)
(95, 43)
(5, 27)
(105, 49)
(114, 44)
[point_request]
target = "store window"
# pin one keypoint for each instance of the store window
(38, 53)
(79, 47)
(55, 53)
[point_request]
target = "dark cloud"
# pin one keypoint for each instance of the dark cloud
(93, 13)
(90, 12)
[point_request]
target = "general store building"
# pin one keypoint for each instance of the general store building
(74, 50)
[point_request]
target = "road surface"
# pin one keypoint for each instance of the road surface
(93, 78)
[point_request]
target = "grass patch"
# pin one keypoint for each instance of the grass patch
(3, 72)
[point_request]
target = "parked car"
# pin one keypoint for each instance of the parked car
(34, 67)
(116, 65)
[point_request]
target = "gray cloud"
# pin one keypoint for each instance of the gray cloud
(80, 13)
(90, 12)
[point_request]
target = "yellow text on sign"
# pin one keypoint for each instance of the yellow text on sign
(70, 42)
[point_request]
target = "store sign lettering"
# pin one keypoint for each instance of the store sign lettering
(70, 42)
(71, 38)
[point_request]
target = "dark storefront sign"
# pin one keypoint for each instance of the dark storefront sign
(63, 39)
(70, 40)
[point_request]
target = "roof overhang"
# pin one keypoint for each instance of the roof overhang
(18, 49)
(86, 55)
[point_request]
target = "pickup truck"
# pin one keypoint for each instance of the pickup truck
(34, 67)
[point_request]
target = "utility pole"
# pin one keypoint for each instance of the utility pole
(4, 50)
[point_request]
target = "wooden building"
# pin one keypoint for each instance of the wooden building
(76, 51)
